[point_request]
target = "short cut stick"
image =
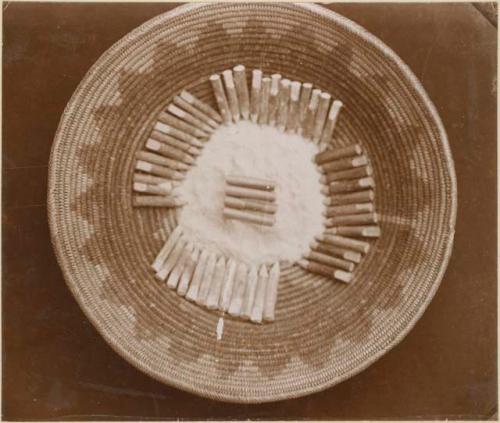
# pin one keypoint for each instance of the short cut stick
(264, 101)
(271, 293)
(352, 185)
(176, 272)
(326, 271)
(255, 194)
(238, 290)
(255, 95)
(260, 293)
(331, 122)
(240, 81)
(263, 219)
(320, 118)
(167, 248)
(215, 289)
(167, 157)
(143, 188)
(194, 288)
(350, 209)
(336, 251)
(308, 123)
(189, 118)
(232, 96)
(254, 205)
(355, 219)
(283, 100)
(206, 283)
(247, 182)
(200, 105)
(158, 170)
(293, 120)
(273, 98)
(171, 260)
(157, 201)
(249, 297)
(220, 98)
(340, 241)
(343, 164)
(366, 196)
(193, 149)
(305, 96)
(183, 104)
(328, 260)
(179, 124)
(345, 175)
(176, 133)
(227, 285)
(188, 272)
(338, 153)
(356, 231)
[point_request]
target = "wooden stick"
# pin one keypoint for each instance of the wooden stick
(329, 260)
(181, 160)
(271, 293)
(156, 201)
(183, 104)
(145, 178)
(232, 97)
(273, 98)
(350, 209)
(220, 98)
(259, 206)
(164, 189)
(207, 280)
(176, 272)
(343, 164)
(320, 118)
(180, 135)
(305, 96)
(293, 120)
(247, 182)
(308, 123)
(255, 97)
(256, 194)
(215, 289)
(188, 272)
(158, 170)
(352, 185)
(323, 270)
(189, 118)
(264, 101)
(266, 220)
(180, 125)
(227, 285)
(160, 160)
(194, 288)
(351, 198)
(283, 98)
(170, 261)
(200, 105)
(331, 122)
(357, 172)
(238, 290)
(355, 219)
(260, 293)
(340, 241)
(167, 248)
(249, 297)
(194, 150)
(356, 231)
(338, 153)
(240, 81)
(344, 253)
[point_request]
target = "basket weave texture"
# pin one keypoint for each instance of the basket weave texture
(324, 332)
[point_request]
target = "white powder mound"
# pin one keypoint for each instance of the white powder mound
(255, 151)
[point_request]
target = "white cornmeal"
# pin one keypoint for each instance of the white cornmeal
(261, 152)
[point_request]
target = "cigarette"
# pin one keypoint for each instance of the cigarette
(183, 104)
(255, 96)
(273, 98)
(220, 98)
(319, 120)
(346, 163)
(305, 96)
(337, 251)
(181, 160)
(206, 283)
(260, 293)
(263, 207)
(356, 231)
(200, 105)
(189, 118)
(176, 272)
(249, 297)
(326, 271)
(266, 220)
(357, 172)
(246, 182)
(158, 170)
(215, 289)
(293, 120)
(157, 201)
(232, 96)
(338, 153)
(352, 185)
(331, 122)
(340, 241)
(256, 194)
(308, 122)
(152, 189)
(179, 124)
(176, 133)
(144, 178)
(199, 270)
(240, 80)
(283, 97)
(271, 293)
(264, 101)
(193, 149)
(227, 285)
(355, 219)
(187, 273)
(171, 259)
(328, 260)
(238, 290)
(350, 209)
(167, 248)
(351, 198)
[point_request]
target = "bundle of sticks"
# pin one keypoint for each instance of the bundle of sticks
(291, 106)
(250, 200)
(218, 283)
(176, 140)
(349, 216)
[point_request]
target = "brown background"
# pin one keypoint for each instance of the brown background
(55, 364)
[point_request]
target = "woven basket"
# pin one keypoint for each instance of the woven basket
(324, 332)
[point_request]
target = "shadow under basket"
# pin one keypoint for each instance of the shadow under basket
(324, 332)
